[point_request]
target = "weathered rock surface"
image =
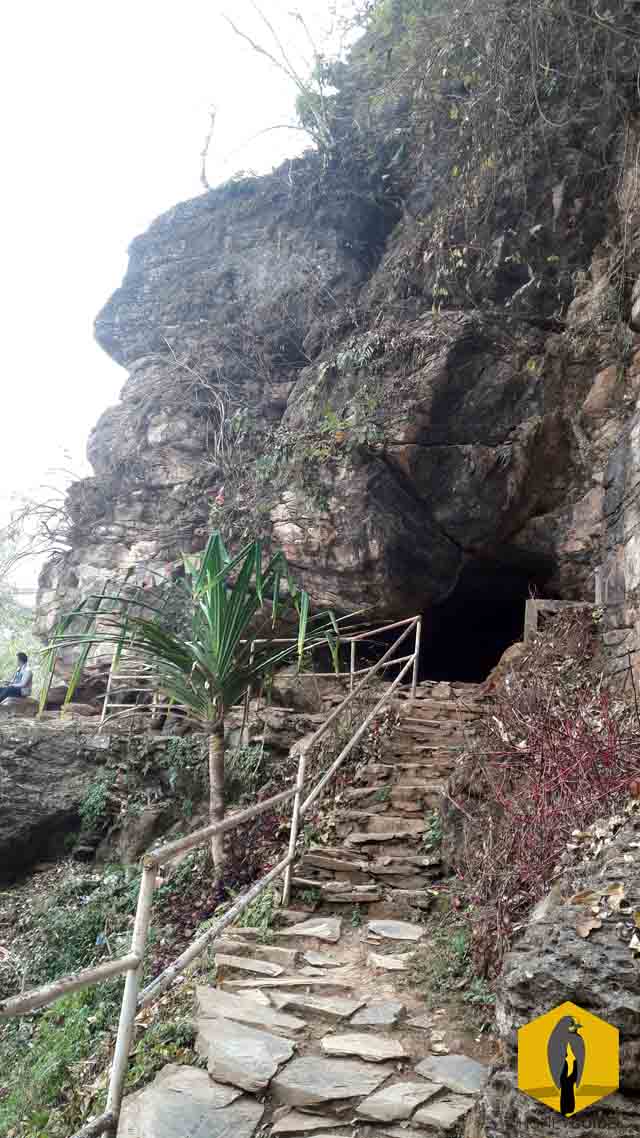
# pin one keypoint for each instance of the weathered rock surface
(551, 964)
(46, 771)
(473, 432)
(184, 1100)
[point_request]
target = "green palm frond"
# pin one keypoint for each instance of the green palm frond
(208, 669)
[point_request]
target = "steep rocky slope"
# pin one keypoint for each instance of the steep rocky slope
(410, 356)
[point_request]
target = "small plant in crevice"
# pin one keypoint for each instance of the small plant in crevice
(432, 837)
(442, 964)
(94, 806)
(260, 914)
(245, 771)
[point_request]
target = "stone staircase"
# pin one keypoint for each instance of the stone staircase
(384, 822)
(307, 1036)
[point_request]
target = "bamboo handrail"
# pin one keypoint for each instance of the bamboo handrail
(41, 997)
(132, 964)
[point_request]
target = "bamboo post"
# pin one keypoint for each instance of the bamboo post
(108, 691)
(130, 995)
(352, 665)
(295, 826)
(416, 661)
(98, 1126)
(197, 946)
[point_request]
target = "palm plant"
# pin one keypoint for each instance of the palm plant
(207, 668)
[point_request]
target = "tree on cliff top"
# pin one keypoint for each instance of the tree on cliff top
(207, 666)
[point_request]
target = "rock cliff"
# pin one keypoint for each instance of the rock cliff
(552, 963)
(410, 356)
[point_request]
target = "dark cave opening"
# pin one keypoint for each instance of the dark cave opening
(464, 637)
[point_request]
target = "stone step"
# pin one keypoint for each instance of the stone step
(311, 1081)
(457, 1073)
(371, 1047)
(213, 1003)
(335, 1008)
(328, 981)
(184, 1100)
(298, 1123)
(395, 930)
(397, 1101)
(341, 892)
(397, 834)
(243, 1056)
(224, 963)
(326, 929)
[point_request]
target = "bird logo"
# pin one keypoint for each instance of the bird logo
(568, 1059)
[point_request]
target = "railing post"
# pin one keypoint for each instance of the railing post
(108, 691)
(416, 660)
(352, 665)
(295, 826)
(131, 990)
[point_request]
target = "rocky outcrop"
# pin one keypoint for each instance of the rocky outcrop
(410, 355)
(46, 772)
(552, 963)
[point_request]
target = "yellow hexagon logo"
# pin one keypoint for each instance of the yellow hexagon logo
(568, 1059)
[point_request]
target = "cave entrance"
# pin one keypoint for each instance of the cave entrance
(464, 637)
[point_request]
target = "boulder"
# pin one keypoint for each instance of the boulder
(46, 770)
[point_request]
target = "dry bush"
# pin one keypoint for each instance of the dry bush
(558, 751)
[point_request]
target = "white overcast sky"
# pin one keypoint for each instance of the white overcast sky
(105, 108)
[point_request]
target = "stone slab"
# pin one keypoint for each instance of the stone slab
(295, 1122)
(312, 1080)
(319, 960)
(332, 1007)
(396, 930)
(184, 1101)
(323, 928)
(390, 962)
(459, 1074)
(397, 1101)
(444, 1113)
(287, 957)
(323, 981)
(386, 1013)
(248, 964)
(364, 1045)
(240, 1055)
(254, 995)
(213, 1003)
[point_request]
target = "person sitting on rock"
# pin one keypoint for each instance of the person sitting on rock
(20, 686)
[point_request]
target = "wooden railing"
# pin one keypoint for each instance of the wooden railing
(131, 677)
(131, 965)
